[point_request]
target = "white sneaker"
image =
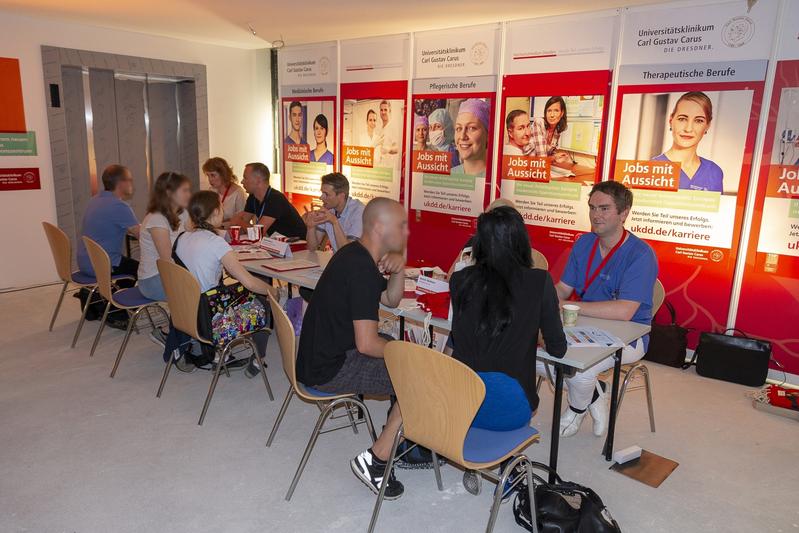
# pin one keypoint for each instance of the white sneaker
(570, 422)
(599, 412)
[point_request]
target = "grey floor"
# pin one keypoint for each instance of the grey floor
(80, 452)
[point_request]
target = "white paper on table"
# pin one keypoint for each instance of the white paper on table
(587, 337)
(314, 273)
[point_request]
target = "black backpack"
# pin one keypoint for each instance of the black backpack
(562, 507)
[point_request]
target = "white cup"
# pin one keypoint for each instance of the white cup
(570, 312)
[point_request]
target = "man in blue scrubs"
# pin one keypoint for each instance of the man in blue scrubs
(612, 273)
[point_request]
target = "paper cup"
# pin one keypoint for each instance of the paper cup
(235, 233)
(259, 232)
(570, 312)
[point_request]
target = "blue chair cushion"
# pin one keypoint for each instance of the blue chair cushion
(86, 279)
(131, 298)
(486, 446)
(310, 391)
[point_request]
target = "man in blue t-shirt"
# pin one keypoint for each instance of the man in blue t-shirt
(613, 274)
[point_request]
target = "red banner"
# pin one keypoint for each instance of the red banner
(19, 179)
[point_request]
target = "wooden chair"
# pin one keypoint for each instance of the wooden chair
(61, 249)
(439, 397)
(539, 260)
(183, 295)
(327, 402)
(131, 300)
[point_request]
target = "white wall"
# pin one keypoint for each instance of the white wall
(239, 118)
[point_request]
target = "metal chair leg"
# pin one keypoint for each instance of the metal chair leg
(83, 317)
(649, 403)
(131, 321)
(263, 368)
(352, 419)
(437, 470)
(58, 305)
(149, 317)
(538, 382)
(168, 366)
(386, 475)
(212, 388)
(370, 426)
(531, 495)
(280, 415)
(323, 416)
(100, 329)
(503, 479)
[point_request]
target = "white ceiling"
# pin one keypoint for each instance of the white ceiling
(225, 21)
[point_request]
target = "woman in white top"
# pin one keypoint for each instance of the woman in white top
(223, 181)
(204, 253)
(165, 219)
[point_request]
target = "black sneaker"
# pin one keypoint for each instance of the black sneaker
(254, 367)
(116, 323)
(232, 363)
(370, 472)
(183, 364)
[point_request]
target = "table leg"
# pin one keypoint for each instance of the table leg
(431, 337)
(402, 328)
(614, 405)
(290, 291)
(553, 447)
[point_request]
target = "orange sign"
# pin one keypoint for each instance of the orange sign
(431, 162)
(783, 181)
(301, 153)
(358, 156)
(12, 116)
(646, 174)
(525, 168)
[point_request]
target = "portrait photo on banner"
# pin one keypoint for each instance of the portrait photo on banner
(561, 132)
(456, 126)
(309, 131)
(698, 137)
(376, 124)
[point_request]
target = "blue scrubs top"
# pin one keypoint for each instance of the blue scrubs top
(629, 275)
(327, 157)
(106, 220)
(289, 140)
(708, 177)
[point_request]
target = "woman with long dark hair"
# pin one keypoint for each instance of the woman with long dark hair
(500, 304)
(165, 219)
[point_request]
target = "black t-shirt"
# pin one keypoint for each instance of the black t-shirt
(349, 289)
(287, 222)
(534, 307)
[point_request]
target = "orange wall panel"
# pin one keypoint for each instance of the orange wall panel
(12, 111)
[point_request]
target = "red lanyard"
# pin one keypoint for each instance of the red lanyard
(590, 280)
(226, 191)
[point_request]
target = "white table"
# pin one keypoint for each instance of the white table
(575, 359)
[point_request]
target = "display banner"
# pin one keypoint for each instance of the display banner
(554, 117)
(768, 306)
(374, 91)
(454, 92)
(687, 109)
(308, 117)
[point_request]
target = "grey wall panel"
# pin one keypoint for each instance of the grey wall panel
(133, 139)
(104, 115)
(189, 157)
(164, 149)
(77, 149)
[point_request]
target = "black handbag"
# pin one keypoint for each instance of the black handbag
(562, 507)
(741, 360)
(668, 342)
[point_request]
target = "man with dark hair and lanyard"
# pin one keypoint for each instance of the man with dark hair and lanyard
(267, 206)
(612, 274)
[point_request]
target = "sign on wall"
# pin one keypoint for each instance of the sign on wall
(554, 117)
(308, 118)
(454, 93)
(18, 143)
(684, 135)
(374, 91)
(19, 179)
(771, 272)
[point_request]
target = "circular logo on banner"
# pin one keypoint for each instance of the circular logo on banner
(479, 53)
(28, 177)
(738, 31)
(324, 66)
(716, 255)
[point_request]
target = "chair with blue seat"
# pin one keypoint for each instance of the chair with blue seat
(183, 296)
(439, 397)
(131, 300)
(61, 249)
(326, 402)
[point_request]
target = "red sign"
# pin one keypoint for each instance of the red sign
(19, 179)
(654, 175)
(300, 153)
(525, 168)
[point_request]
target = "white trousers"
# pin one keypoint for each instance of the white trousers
(581, 386)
